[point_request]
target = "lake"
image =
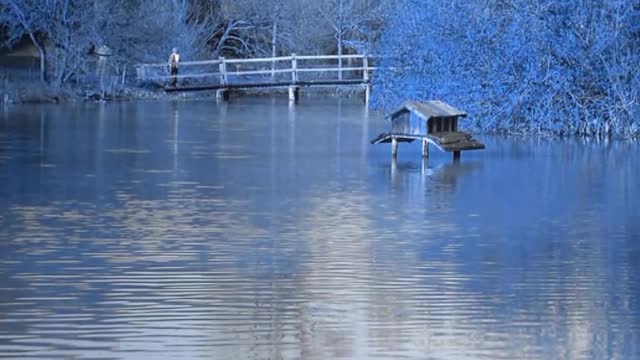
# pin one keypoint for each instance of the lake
(256, 230)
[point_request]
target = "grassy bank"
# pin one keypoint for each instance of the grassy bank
(35, 92)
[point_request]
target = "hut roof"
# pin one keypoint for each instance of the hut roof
(429, 109)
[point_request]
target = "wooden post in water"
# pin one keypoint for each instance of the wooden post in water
(425, 149)
(294, 94)
(456, 156)
(365, 79)
(222, 95)
(367, 94)
(394, 147)
(294, 91)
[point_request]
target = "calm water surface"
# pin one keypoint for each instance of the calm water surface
(255, 230)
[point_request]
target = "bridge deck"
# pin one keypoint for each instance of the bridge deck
(265, 85)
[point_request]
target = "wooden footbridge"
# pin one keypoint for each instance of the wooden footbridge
(293, 72)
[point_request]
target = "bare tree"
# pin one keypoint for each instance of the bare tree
(27, 18)
(71, 36)
(349, 20)
(67, 32)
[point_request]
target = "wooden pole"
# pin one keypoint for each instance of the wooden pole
(294, 94)
(394, 147)
(340, 58)
(222, 95)
(425, 149)
(294, 68)
(456, 156)
(222, 66)
(365, 79)
(365, 67)
(367, 95)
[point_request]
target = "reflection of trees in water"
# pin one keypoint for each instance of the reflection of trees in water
(339, 287)
(366, 290)
(161, 264)
(571, 284)
(564, 285)
(339, 270)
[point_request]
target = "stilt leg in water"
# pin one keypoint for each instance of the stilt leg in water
(425, 149)
(456, 156)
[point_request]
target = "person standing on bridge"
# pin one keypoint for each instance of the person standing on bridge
(174, 62)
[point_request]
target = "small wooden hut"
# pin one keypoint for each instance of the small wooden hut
(433, 122)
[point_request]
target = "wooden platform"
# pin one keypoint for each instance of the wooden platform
(263, 85)
(445, 141)
(455, 141)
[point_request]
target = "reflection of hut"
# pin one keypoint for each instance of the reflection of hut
(432, 122)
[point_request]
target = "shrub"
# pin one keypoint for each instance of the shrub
(519, 66)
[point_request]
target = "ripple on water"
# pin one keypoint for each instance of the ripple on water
(135, 246)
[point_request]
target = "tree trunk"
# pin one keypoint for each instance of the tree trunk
(275, 17)
(340, 34)
(217, 52)
(61, 67)
(43, 64)
(43, 57)
(273, 48)
(340, 55)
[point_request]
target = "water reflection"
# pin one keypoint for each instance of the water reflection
(258, 230)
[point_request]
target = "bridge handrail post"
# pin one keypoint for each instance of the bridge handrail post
(222, 66)
(365, 68)
(294, 68)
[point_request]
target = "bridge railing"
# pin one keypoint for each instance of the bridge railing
(283, 69)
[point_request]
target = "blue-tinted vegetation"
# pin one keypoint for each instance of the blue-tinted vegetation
(563, 67)
(521, 66)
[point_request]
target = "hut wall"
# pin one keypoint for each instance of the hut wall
(400, 124)
(417, 125)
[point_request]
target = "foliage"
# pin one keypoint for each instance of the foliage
(68, 32)
(565, 67)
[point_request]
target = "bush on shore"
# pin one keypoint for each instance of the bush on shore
(545, 66)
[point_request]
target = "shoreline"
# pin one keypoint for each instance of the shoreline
(32, 95)
(24, 95)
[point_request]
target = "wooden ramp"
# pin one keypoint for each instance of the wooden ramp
(445, 141)
(455, 141)
(388, 137)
